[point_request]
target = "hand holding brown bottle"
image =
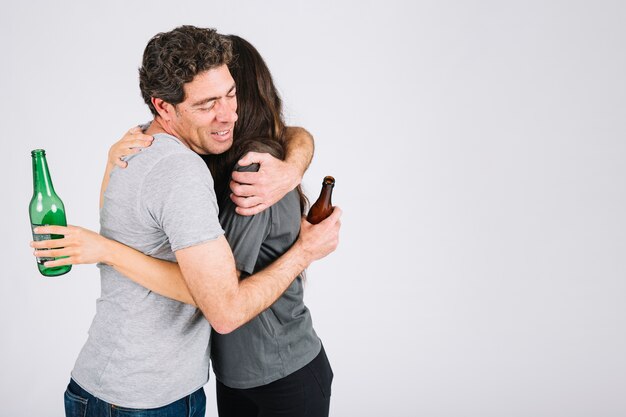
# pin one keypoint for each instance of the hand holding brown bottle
(320, 240)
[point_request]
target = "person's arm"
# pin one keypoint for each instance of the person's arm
(83, 246)
(132, 142)
(207, 276)
(227, 303)
(299, 149)
(253, 192)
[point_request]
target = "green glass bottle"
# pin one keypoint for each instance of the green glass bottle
(46, 208)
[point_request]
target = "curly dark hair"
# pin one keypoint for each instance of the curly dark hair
(172, 59)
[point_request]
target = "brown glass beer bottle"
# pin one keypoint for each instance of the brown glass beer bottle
(323, 206)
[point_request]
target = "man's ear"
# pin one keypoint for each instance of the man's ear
(165, 109)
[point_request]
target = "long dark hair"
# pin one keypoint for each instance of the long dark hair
(260, 126)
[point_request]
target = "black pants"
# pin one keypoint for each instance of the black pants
(304, 393)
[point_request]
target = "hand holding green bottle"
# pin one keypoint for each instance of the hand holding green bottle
(46, 208)
(79, 246)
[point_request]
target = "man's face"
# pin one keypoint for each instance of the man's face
(206, 118)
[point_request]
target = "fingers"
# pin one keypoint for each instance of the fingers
(243, 177)
(332, 223)
(129, 147)
(53, 253)
(246, 202)
(242, 190)
(116, 154)
(133, 141)
(136, 133)
(81, 245)
(321, 239)
(52, 230)
(58, 262)
(254, 157)
(251, 211)
(334, 216)
(49, 243)
(63, 255)
(69, 234)
(139, 143)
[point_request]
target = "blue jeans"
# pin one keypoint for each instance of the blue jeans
(80, 403)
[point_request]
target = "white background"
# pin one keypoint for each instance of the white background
(479, 152)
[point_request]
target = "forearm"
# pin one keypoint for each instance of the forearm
(226, 302)
(259, 291)
(159, 276)
(299, 147)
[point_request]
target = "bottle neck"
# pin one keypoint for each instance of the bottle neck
(42, 183)
(326, 195)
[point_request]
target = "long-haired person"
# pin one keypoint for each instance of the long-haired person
(275, 364)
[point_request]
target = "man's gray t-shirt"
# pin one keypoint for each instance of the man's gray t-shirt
(145, 350)
(281, 340)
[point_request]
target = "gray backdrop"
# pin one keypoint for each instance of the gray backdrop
(479, 154)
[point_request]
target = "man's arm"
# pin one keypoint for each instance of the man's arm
(253, 192)
(226, 302)
(300, 147)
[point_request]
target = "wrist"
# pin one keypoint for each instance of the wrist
(295, 177)
(302, 254)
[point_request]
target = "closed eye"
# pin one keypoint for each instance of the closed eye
(208, 106)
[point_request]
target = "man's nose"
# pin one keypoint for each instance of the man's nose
(225, 112)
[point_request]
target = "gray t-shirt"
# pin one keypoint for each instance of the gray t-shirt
(281, 339)
(145, 350)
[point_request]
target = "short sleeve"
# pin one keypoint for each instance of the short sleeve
(179, 197)
(245, 235)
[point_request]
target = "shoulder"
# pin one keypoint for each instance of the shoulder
(228, 215)
(169, 158)
(288, 206)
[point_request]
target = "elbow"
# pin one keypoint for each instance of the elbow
(226, 316)
(221, 329)
(224, 326)
(226, 323)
